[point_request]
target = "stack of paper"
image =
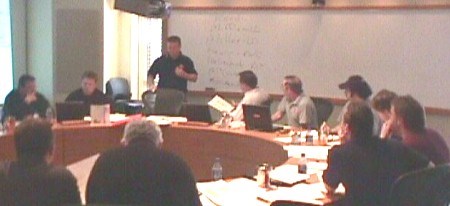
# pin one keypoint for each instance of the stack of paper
(288, 174)
(165, 120)
(240, 191)
(311, 152)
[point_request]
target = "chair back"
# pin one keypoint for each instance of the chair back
(149, 100)
(118, 89)
(324, 109)
(429, 186)
(168, 101)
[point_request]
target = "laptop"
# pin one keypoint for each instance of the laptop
(71, 111)
(196, 112)
(258, 118)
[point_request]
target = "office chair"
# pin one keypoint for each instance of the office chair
(324, 109)
(430, 186)
(168, 101)
(149, 100)
(119, 91)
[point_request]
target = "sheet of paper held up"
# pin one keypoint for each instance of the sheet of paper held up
(220, 104)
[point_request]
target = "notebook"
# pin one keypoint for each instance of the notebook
(258, 118)
(70, 111)
(196, 112)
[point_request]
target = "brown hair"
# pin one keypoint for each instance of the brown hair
(383, 99)
(249, 78)
(411, 111)
(359, 118)
(33, 139)
(174, 39)
(90, 75)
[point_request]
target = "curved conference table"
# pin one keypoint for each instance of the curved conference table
(240, 150)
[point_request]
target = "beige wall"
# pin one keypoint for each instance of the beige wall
(337, 3)
(39, 19)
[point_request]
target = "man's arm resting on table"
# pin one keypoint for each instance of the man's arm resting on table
(330, 189)
(277, 116)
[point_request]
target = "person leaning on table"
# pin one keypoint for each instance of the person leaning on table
(141, 173)
(32, 180)
(367, 165)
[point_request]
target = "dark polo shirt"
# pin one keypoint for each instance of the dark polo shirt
(165, 67)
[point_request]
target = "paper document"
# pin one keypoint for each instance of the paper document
(240, 191)
(220, 104)
(311, 152)
(165, 120)
(288, 174)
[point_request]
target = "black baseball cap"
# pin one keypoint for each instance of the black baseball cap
(356, 84)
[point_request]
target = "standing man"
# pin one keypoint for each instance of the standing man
(25, 101)
(174, 68)
(299, 108)
(253, 95)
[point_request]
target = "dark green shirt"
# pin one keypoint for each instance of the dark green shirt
(16, 106)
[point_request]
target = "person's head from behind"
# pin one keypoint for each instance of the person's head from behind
(381, 102)
(141, 130)
(408, 114)
(356, 88)
(174, 46)
(27, 84)
(247, 80)
(89, 82)
(34, 140)
(292, 87)
(358, 120)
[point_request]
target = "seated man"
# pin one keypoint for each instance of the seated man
(408, 117)
(25, 101)
(253, 95)
(382, 105)
(140, 173)
(366, 165)
(32, 180)
(299, 108)
(356, 88)
(88, 93)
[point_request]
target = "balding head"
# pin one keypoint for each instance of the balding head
(141, 129)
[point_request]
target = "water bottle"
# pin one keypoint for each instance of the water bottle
(217, 170)
(302, 164)
(49, 116)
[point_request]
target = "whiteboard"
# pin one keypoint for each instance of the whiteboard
(407, 51)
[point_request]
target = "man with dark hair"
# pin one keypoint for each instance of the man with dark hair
(408, 117)
(88, 93)
(366, 165)
(32, 180)
(356, 88)
(174, 68)
(253, 95)
(140, 173)
(25, 101)
(299, 108)
(381, 102)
